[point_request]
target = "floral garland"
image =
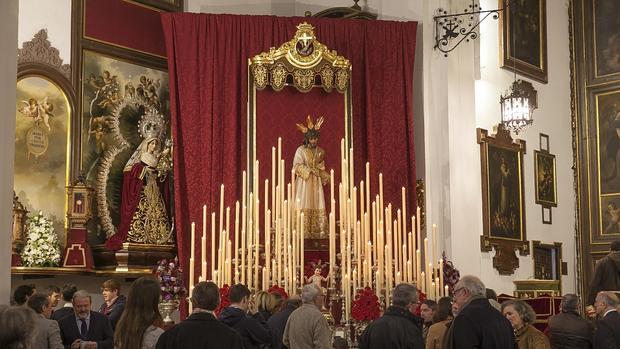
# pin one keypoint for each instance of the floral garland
(451, 275)
(42, 248)
(170, 277)
(278, 290)
(366, 305)
(224, 299)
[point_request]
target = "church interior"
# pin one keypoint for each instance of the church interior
(356, 145)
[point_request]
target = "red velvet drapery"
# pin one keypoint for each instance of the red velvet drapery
(207, 60)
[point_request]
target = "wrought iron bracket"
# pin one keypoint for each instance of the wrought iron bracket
(452, 29)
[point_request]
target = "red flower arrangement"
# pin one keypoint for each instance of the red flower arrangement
(421, 298)
(224, 299)
(366, 305)
(170, 277)
(278, 290)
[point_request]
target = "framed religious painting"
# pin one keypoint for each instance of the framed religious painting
(545, 180)
(168, 5)
(503, 198)
(523, 26)
(124, 106)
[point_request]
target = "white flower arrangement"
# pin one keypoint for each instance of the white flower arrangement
(42, 247)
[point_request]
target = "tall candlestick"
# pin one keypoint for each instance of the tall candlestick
(191, 258)
(236, 255)
(273, 180)
(203, 258)
(221, 227)
(213, 266)
(302, 255)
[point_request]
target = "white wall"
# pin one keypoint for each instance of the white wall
(53, 15)
(476, 104)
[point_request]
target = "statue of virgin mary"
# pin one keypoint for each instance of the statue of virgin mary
(144, 200)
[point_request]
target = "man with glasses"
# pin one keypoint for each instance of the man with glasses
(398, 327)
(478, 324)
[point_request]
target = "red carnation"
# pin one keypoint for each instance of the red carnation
(366, 305)
(224, 299)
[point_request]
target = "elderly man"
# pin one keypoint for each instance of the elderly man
(608, 325)
(398, 327)
(568, 329)
(478, 324)
(48, 333)
(85, 328)
(307, 327)
(201, 329)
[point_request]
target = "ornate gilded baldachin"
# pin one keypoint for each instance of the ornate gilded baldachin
(302, 62)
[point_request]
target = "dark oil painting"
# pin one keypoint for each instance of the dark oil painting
(504, 193)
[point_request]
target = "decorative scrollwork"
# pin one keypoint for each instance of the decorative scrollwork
(304, 57)
(304, 79)
(40, 50)
(259, 72)
(278, 77)
(452, 29)
(342, 80)
(327, 77)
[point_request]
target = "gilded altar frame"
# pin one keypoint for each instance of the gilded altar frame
(303, 63)
(595, 94)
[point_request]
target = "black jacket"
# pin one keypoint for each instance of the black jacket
(568, 330)
(479, 325)
(114, 311)
(608, 332)
(606, 276)
(99, 330)
(200, 331)
(277, 323)
(61, 313)
(252, 329)
(397, 328)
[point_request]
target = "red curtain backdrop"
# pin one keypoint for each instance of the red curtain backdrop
(207, 60)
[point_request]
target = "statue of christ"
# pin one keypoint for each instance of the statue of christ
(309, 167)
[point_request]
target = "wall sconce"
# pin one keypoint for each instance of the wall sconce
(452, 29)
(517, 105)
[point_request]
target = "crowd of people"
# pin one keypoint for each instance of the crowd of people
(471, 318)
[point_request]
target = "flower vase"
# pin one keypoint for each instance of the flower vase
(166, 308)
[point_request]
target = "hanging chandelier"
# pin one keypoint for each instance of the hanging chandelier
(517, 106)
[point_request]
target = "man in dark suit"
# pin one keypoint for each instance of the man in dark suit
(478, 324)
(201, 329)
(607, 334)
(67, 309)
(85, 328)
(277, 322)
(568, 329)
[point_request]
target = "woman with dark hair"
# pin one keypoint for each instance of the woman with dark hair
(441, 320)
(140, 325)
(521, 317)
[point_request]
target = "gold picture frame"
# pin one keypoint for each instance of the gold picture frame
(523, 46)
(503, 199)
(545, 179)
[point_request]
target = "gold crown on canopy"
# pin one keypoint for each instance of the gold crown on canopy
(310, 125)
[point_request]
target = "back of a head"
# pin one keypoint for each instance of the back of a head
(141, 311)
(473, 284)
(444, 309)
(37, 302)
(293, 301)
(570, 302)
(404, 294)
(237, 292)
(309, 293)
(22, 292)
(609, 298)
(262, 300)
(491, 294)
(17, 327)
(67, 292)
(615, 246)
(206, 295)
